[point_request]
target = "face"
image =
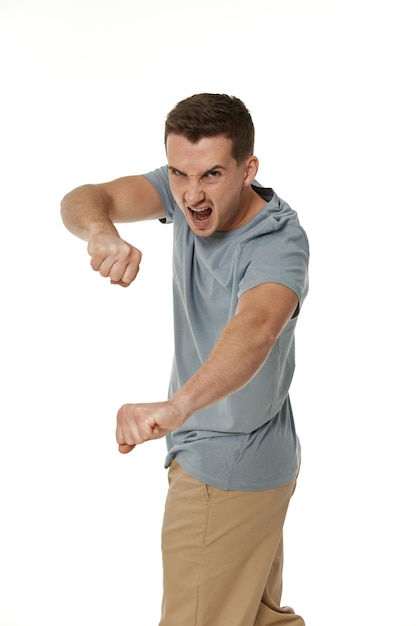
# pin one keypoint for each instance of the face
(212, 189)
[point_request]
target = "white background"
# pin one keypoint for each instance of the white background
(85, 87)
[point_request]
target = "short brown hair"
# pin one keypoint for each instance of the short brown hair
(210, 114)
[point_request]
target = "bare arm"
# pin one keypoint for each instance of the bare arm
(91, 211)
(95, 208)
(241, 350)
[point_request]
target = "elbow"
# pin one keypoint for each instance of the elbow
(270, 339)
(69, 201)
(65, 208)
(265, 341)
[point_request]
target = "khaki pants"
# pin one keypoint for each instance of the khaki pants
(223, 555)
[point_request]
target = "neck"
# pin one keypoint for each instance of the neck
(253, 202)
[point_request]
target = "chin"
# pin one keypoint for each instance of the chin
(204, 232)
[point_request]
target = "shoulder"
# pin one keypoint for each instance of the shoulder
(159, 179)
(159, 175)
(276, 250)
(277, 224)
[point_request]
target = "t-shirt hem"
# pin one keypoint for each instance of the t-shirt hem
(233, 485)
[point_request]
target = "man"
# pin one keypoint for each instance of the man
(240, 263)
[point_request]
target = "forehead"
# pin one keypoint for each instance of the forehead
(208, 151)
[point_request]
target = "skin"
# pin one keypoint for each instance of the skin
(203, 176)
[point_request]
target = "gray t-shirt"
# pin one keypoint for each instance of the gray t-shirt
(246, 441)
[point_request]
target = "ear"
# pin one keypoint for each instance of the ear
(250, 171)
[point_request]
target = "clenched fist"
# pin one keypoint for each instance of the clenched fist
(113, 257)
(137, 423)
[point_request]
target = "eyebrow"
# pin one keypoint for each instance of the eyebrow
(211, 169)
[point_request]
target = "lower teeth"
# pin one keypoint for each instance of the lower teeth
(200, 217)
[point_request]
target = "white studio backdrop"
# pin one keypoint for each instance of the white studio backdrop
(85, 89)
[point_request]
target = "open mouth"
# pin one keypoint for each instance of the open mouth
(200, 217)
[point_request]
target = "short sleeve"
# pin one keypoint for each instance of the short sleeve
(280, 256)
(159, 179)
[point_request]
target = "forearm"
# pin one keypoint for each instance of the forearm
(236, 358)
(238, 355)
(243, 347)
(86, 211)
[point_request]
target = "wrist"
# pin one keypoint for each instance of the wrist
(102, 228)
(183, 405)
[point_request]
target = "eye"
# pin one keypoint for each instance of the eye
(176, 172)
(213, 174)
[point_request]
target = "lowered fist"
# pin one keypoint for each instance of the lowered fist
(137, 423)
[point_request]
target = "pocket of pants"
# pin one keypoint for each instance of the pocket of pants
(173, 466)
(208, 492)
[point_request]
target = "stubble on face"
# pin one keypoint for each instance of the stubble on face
(208, 184)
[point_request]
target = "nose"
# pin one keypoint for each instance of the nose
(194, 192)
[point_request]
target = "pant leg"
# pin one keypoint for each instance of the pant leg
(221, 555)
(270, 613)
(182, 541)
